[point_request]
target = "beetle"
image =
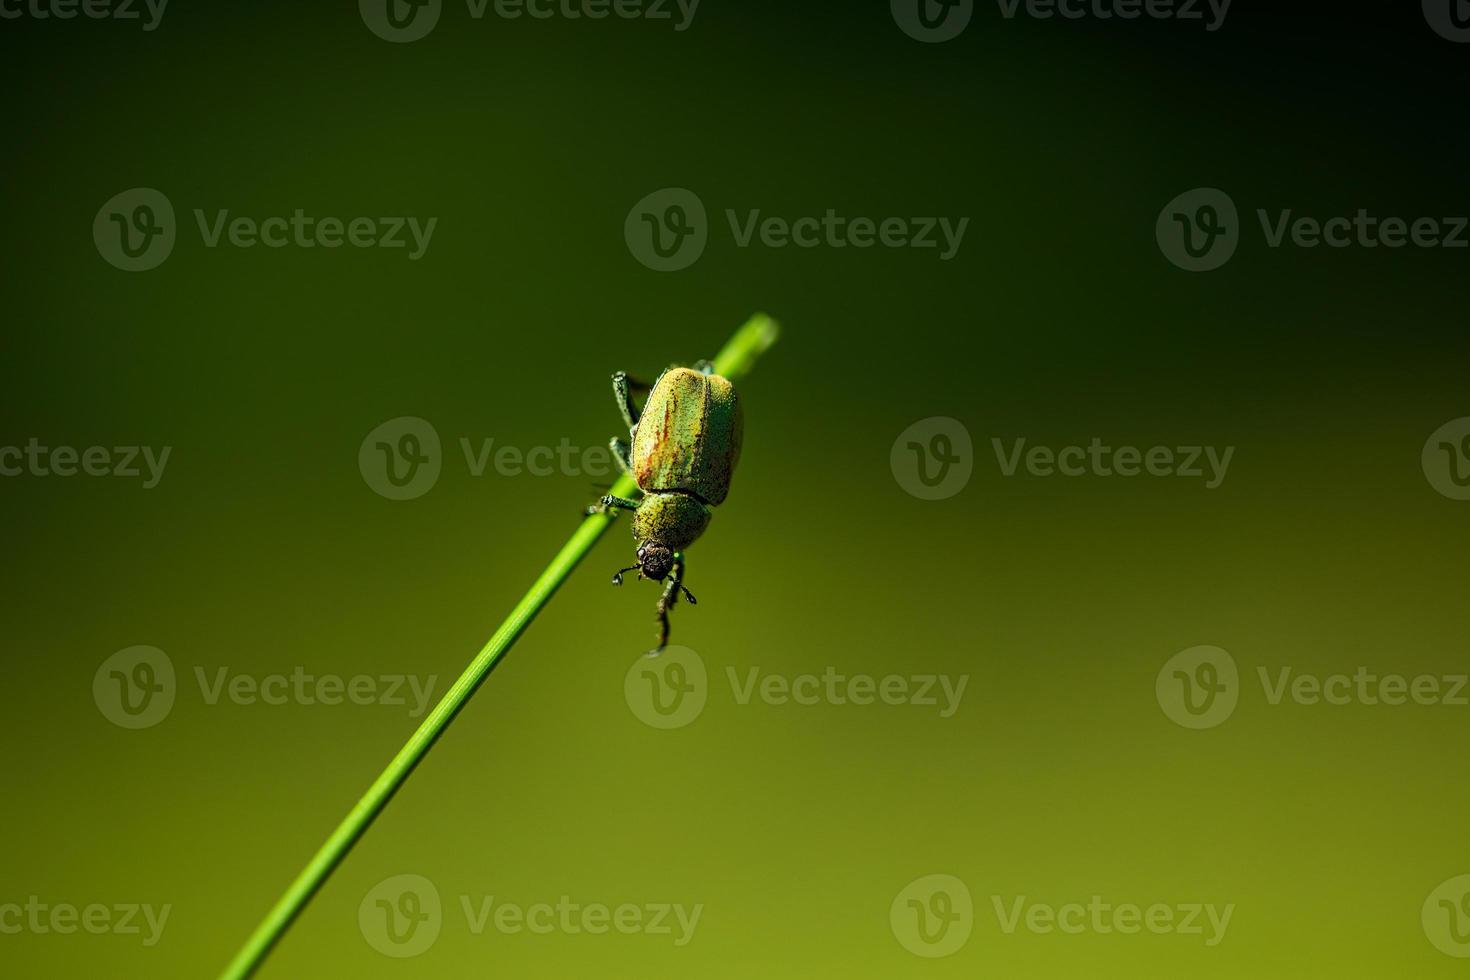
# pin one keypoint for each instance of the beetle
(685, 444)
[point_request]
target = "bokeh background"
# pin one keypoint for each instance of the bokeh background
(264, 549)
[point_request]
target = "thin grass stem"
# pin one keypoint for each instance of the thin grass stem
(733, 361)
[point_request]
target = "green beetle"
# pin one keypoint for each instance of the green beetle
(686, 442)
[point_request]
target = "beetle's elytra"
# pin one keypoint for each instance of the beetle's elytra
(685, 444)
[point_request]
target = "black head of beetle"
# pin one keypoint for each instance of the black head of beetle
(655, 561)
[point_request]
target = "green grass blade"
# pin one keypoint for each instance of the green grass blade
(734, 360)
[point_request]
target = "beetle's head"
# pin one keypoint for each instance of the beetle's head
(655, 560)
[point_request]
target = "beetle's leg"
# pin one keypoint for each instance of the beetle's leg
(622, 455)
(611, 503)
(623, 390)
(670, 598)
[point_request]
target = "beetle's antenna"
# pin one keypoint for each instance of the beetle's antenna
(688, 596)
(618, 575)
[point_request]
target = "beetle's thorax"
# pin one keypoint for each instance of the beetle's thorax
(671, 519)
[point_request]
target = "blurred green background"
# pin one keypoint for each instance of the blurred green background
(264, 549)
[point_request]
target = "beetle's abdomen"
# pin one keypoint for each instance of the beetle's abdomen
(689, 436)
